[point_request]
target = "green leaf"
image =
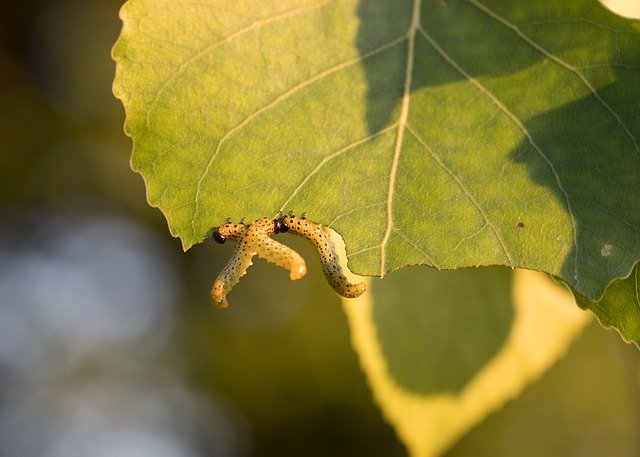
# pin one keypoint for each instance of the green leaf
(447, 133)
(619, 307)
(444, 349)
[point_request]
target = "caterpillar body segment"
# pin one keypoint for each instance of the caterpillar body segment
(237, 265)
(259, 237)
(235, 269)
(320, 238)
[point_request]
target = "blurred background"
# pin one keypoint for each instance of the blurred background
(109, 345)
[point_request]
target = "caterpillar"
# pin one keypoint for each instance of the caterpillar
(251, 240)
(319, 237)
(255, 239)
(237, 265)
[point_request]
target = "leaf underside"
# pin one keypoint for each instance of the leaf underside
(446, 133)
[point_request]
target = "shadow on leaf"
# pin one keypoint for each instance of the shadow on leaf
(585, 153)
(454, 23)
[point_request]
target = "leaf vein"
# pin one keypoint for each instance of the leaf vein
(466, 191)
(417, 248)
(468, 237)
(402, 122)
(197, 56)
(576, 71)
(328, 159)
(353, 210)
(360, 251)
(526, 133)
(275, 102)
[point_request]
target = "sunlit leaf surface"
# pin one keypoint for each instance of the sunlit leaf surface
(448, 133)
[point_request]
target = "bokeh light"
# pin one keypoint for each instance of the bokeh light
(88, 310)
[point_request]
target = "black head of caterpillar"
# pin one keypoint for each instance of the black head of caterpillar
(280, 226)
(281, 221)
(217, 237)
(228, 231)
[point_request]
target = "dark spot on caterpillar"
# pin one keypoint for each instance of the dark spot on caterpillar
(520, 224)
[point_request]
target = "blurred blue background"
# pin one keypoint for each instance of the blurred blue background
(109, 345)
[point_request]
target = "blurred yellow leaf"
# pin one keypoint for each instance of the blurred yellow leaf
(429, 416)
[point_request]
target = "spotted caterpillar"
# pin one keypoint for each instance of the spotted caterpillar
(256, 239)
(252, 239)
(319, 237)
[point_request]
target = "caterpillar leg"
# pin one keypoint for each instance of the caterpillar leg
(326, 250)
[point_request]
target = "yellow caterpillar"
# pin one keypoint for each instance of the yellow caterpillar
(319, 237)
(259, 238)
(255, 239)
(237, 265)
(251, 240)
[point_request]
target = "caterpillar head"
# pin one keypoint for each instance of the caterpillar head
(217, 236)
(228, 231)
(280, 225)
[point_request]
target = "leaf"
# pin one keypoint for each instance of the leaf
(620, 306)
(447, 133)
(444, 349)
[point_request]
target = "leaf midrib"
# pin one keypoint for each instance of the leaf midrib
(402, 124)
